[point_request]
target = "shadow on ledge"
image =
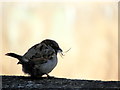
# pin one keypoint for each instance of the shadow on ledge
(53, 83)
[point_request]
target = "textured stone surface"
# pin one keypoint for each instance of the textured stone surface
(41, 83)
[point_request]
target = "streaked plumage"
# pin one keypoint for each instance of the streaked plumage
(40, 59)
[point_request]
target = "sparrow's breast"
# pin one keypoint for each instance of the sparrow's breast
(48, 66)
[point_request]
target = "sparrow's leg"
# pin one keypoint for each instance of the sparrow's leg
(49, 76)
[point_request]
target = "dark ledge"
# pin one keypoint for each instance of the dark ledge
(54, 83)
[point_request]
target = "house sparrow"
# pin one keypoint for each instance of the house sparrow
(40, 59)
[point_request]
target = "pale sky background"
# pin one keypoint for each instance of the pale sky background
(90, 29)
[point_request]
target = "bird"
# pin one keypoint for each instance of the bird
(40, 59)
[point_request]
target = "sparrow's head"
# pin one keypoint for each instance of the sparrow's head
(53, 44)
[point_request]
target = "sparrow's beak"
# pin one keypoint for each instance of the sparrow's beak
(60, 50)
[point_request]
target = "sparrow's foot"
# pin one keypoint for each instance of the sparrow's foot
(36, 77)
(49, 77)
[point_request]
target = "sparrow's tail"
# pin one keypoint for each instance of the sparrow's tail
(14, 55)
(19, 57)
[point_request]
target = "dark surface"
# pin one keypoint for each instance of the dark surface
(41, 83)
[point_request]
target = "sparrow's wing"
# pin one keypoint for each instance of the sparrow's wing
(40, 53)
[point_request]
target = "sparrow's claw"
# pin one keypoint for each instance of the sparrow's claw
(49, 77)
